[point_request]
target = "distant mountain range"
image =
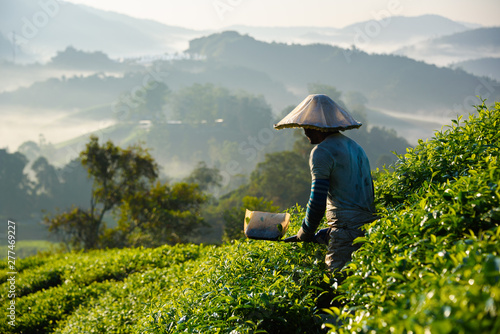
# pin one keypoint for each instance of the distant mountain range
(41, 28)
(486, 67)
(458, 47)
(388, 81)
(412, 96)
(279, 71)
(384, 35)
(44, 27)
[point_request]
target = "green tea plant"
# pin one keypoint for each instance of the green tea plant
(432, 263)
(451, 154)
(124, 303)
(245, 287)
(49, 293)
(40, 312)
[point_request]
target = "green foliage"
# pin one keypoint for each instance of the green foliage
(451, 154)
(16, 195)
(117, 174)
(51, 291)
(244, 287)
(205, 177)
(431, 264)
(205, 104)
(163, 214)
(283, 177)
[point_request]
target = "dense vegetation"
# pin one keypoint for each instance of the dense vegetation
(430, 264)
(34, 184)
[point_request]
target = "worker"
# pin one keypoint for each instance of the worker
(341, 178)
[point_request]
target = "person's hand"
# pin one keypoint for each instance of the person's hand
(303, 236)
(323, 236)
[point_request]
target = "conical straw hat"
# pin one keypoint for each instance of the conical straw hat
(320, 112)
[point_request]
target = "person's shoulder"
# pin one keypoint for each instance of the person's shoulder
(321, 151)
(331, 142)
(341, 138)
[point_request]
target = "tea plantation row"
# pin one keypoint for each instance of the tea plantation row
(431, 264)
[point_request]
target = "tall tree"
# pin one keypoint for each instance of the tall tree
(30, 150)
(76, 186)
(48, 188)
(48, 180)
(207, 178)
(117, 174)
(16, 194)
(163, 214)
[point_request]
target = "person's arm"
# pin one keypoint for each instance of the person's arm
(315, 209)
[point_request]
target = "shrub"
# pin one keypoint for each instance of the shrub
(431, 264)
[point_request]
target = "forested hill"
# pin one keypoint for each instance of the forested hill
(479, 38)
(469, 45)
(388, 81)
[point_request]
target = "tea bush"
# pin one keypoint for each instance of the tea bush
(431, 264)
(49, 293)
(245, 287)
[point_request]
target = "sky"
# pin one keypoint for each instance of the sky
(217, 14)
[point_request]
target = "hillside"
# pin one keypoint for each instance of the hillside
(460, 46)
(390, 33)
(73, 92)
(94, 30)
(388, 81)
(383, 34)
(487, 67)
(430, 264)
(77, 79)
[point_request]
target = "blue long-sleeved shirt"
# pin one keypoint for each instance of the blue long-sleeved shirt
(341, 166)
